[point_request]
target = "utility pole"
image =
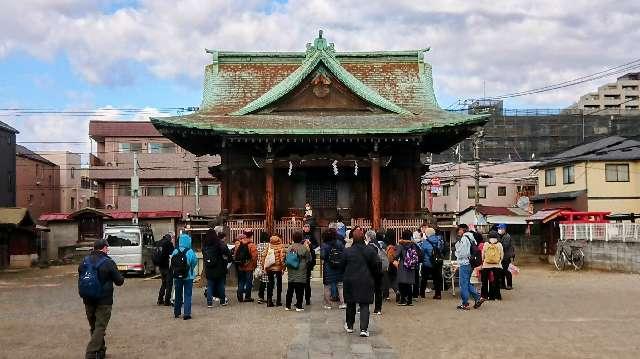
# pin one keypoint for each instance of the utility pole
(476, 162)
(197, 178)
(135, 190)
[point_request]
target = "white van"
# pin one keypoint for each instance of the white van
(131, 247)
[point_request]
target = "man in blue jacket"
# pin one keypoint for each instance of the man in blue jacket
(183, 286)
(431, 267)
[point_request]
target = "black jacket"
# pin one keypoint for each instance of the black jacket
(167, 249)
(361, 269)
(222, 256)
(108, 274)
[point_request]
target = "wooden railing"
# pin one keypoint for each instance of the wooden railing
(236, 227)
(285, 229)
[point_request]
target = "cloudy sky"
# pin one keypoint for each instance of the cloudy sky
(75, 54)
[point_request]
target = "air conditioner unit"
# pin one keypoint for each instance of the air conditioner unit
(110, 206)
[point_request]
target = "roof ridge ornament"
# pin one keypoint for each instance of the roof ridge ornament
(320, 44)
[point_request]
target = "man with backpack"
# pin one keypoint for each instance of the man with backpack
(332, 255)
(215, 255)
(466, 248)
(96, 276)
(245, 256)
(160, 258)
(183, 264)
(433, 259)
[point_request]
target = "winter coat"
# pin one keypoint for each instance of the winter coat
(427, 247)
(222, 256)
(253, 262)
(360, 269)
(492, 241)
(329, 274)
(463, 248)
(167, 249)
(276, 244)
(299, 275)
(507, 245)
(405, 276)
(108, 275)
(312, 245)
(262, 252)
(184, 244)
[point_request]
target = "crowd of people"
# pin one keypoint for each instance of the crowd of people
(359, 268)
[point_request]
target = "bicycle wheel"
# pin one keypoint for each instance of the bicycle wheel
(559, 260)
(578, 259)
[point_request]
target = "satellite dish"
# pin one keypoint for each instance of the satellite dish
(523, 202)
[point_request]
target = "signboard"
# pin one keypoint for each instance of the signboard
(435, 185)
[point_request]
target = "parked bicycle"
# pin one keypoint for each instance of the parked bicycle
(569, 253)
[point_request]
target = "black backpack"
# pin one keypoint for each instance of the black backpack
(242, 255)
(210, 257)
(436, 254)
(180, 264)
(336, 257)
(158, 254)
(475, 255)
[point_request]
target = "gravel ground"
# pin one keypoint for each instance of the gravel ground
(548, 315)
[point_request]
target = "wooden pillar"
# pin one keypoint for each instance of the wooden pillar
(269, 198)
(376, 219)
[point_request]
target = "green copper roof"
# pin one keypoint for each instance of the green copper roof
(320, 52)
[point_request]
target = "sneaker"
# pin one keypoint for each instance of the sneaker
(478, 303)
(326, 307)
(186, 317)
(209, 305)
(299, 309)
(401, 304)
(349, 330)
(377, 313)
(226, 301)
(287, 309)
(364, 333)
(248, 300)
(308, 302)
(343, 306)
(509, 288)
(260, 301)
(463, 307)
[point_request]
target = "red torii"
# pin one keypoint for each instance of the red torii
(584, 217)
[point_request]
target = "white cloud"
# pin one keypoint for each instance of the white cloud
(509, 45)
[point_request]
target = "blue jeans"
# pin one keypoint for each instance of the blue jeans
(245, 284)
(215, 288)
(181, 285)
(466, 288)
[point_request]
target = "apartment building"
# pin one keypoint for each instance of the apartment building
(76, 190)
(7, 165)
(603, 175)
(501, 185)
(37, 183)
(166, 171)
(622, 95)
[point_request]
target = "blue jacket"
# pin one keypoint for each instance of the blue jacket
(184, 242)
(427, 245)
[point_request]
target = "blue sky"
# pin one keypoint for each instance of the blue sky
(74, 54)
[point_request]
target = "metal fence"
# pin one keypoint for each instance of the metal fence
(614, 232)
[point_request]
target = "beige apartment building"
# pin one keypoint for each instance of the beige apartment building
(603, 175)
(620, 96)
(77, 191)
(166, 171)
(501, 185)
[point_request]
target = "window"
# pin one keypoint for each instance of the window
(445, 190)
(210, 190)
(616, 172)
(72, 203)
(124, 190)
(85, 183)
(73, 172)
(550, 177)
(482, 192)
(162, 148)
(502, 191)
(568, 174)
(154, 191)
(129, 147)
(169, 191)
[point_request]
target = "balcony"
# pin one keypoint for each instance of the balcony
(114, 166)
(209, 205)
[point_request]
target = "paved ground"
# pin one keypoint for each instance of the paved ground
(549, 315)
